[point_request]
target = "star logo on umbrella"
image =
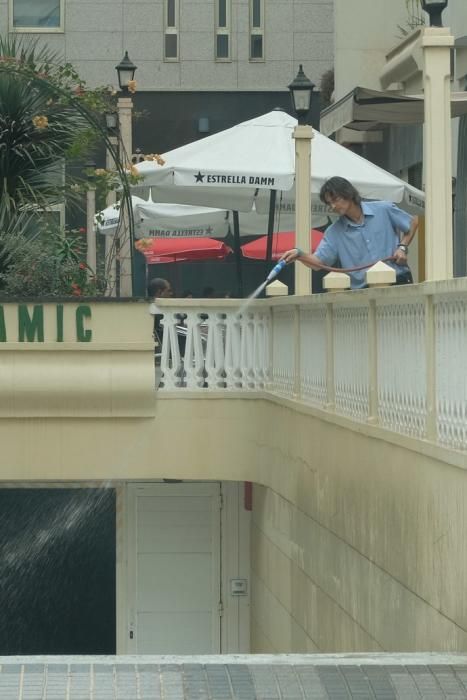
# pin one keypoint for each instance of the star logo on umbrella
(199, 177)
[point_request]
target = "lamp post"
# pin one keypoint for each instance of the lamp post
(111, 123)
(436, 44)
(126, 72)
(91, 255)
(301, 90)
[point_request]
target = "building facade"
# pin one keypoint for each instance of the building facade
(214, 48)
(360, 61)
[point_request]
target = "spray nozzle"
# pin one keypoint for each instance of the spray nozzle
(275, 270)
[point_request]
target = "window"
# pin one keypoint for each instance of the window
(37, 16)
(256, 30)
(223, 22)
(171, 22)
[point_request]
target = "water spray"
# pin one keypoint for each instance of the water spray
(278, 267)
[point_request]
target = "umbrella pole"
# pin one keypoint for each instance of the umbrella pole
(238, 254)
(272, 211)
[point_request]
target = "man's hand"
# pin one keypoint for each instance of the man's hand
(400, 257)
(290, 255)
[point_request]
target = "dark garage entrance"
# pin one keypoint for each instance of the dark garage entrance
(57, 571)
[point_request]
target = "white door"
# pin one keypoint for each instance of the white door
(174, 568)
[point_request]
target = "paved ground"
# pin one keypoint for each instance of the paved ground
(287, 677)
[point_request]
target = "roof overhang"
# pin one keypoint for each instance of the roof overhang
(367, 110)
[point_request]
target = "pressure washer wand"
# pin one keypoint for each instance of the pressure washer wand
(275, 270)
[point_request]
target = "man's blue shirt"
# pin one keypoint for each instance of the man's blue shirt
(376, 238)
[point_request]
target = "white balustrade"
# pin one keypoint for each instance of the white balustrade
(402, 400)
(393, 357)
(283, 351)
(313, 355)
(351, 360)
(170, 361)
(214, 349)
(451, 371)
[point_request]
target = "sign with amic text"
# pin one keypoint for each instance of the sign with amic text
(26, 323)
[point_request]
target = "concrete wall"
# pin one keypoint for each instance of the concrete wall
(455, 17)
(357, 545)
(364, 32)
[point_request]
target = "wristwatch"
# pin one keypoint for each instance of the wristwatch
(403, 247)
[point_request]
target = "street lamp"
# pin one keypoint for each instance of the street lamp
(126, 72)
(111, 121)
(301, 90)
(435, 8)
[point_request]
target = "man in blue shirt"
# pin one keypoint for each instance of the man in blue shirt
(365, 233)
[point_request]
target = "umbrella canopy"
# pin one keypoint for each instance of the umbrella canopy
(329, 158)
(168, 250)
(226, 169)
(107, 220)
(281, 241)
(179, 221)
(166, 220)
(255, 224)
(241, 165)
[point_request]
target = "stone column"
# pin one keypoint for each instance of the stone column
(436, 43)
(125, 108)
(302, 135)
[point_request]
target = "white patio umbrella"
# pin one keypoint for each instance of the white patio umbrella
(243, 164)
(167, 220)
(179, 221)
(107, 220)
(329, 158)
(228, 168)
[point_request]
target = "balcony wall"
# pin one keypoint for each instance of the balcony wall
(346, 411)
(356, 437)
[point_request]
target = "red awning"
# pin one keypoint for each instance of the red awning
(282, 241)
(167, 250)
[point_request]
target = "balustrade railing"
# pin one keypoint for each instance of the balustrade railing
(395, 357)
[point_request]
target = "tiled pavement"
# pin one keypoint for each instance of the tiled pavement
(255, 677)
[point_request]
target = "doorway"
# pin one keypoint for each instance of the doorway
(174, 568)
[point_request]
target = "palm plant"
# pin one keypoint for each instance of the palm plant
(48, 118)
(38, 127)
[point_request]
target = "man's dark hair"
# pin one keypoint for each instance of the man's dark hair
(156, 286)
(339, 187)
